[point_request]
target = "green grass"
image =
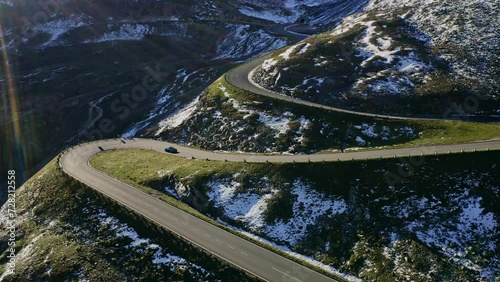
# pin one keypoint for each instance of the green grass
(76, 241)
(234, 130)
(452, 132)
(431, 179)
(433, 132)
(143, 168)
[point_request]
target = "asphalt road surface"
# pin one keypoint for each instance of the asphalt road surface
(240, 252)
(240, 77)
(287, 30)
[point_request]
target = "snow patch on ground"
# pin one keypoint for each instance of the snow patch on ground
(367, 130)
(473, 214)
(243, 42)
(280, 124)
(304, 48)
(411, 64)
(268, 64)
(178, 118)
(370, 51)
(249, 207)
(235, 103)
(286, 55)
(320, 62)
(304, 123)
(57, 28)
(245, 207)
(348, 23)
(308, 207)
(360, 141)
(317, 81)
(123, 230)
(391, 85)
(126, 32)
(274, 15)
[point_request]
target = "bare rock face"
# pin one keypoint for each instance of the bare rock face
(192, 196)
(180, 189)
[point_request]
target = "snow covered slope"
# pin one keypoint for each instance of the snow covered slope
(244, 41)
(225, 119)
(394, 59)
(466, 32)
(316, 12)
(432, 219)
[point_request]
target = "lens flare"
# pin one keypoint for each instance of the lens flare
(10, 98)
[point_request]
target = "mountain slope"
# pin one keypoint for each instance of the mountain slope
(389, 59)
(465, 33)
(319, 13)
(65, 231)
(94, 70)
(417, 219)
(226, 118)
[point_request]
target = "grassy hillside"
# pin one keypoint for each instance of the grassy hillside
(67, 232)
(431, 219)
(228, 118)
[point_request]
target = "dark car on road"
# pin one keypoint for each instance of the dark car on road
(171, 150)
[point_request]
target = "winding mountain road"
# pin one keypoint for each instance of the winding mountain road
(286, 30)
(241, 77)
(242, 253)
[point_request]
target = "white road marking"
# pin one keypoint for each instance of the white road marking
(244, 254)
(286, 274)
(230, 247)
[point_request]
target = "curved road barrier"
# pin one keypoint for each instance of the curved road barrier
(254, 259)
(238, 251)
